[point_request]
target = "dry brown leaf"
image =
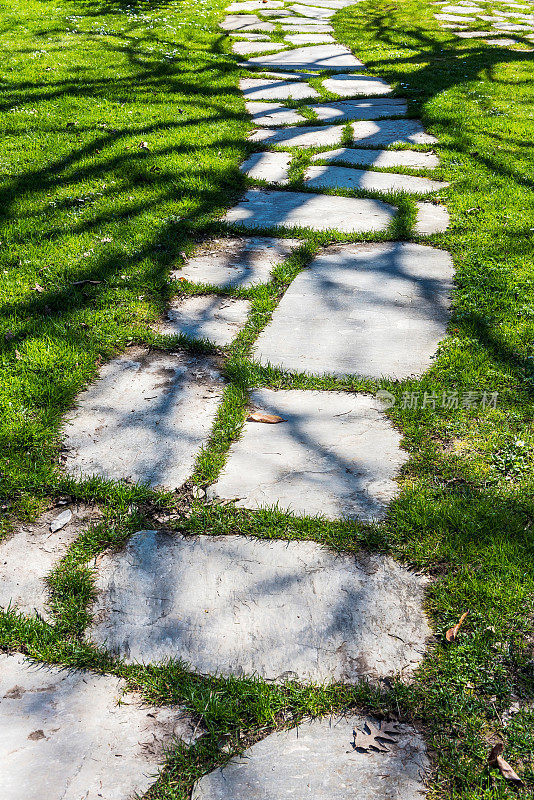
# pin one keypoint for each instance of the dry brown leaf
(374, 738)
(495, 760)
(452, 633)
(262, 416)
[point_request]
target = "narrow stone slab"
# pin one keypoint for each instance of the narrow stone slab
(252, 5)
(362, 309)
(461, 9)
(453, 18)
(330, 3)
(303, 21)
(245, 22)
(316, 12)
(265, 89)
(30, 554)
(318, 212)
(347, 85)
(318, 760)
(320, 56)
(359, 109)
(246, 48)
(386, 132)
(251, 37)
(237, 262)
(509, 26)
(379, 158)
(310, 38)
(68, 734)
(431, 219)
(272, 167)
(502, 42)
(231, 605)
(145, 419)
(316, 28)
(273, 114)
(218, 319)
(348, 178)
(303, 136)
(472, 34)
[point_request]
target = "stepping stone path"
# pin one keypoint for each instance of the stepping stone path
(218, 319)
(449, 14)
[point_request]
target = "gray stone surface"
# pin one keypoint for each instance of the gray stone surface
(272, 167)
(431, 218)
(310, 38)
(331, 3)
(64, 735)
(359, 109)
(461, 9)
(237, 262)
(302, 136)
(266, 209)
(319, 56)
(251, 37)
(362, 309)
(231, 605)
(316, 12)
(252, 5)
(386, 132)
(502, 42)
(218, 319)
(315, 28)
(272, 114)
(453, 18)
(145, 419)
(318, 761)
(327, 177)
(268, 89)
(347, 85)
(472, 34)
(335, 455)
(246, 48)
(296, 21)
(30, 554)
(379, 158)
(245, 22)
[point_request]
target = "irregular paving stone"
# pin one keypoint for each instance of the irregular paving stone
(331, 3)
(252, 5)
(265, 89)
(245, 48)
(453, 18)
(273, 114)
(359, 109)
(348, 178)
(508, 26)
(386, 132)
(267, 209)
(303, 136)
(68, 734)
(461, 9)
(362, 309)
(237, 262)
(431, 219)
(30, 554)
(312, 11)
(310, 38)
(346, 85)
(334, 455)
(319, 56)
(218, 319)
(292, 28)
(236, 22)
(379, 158)
(304, 22)
(318, 761)
(472, 34)
(145, 419)
(251, 37)
(272, 167)
(502, 42)
(231, 605)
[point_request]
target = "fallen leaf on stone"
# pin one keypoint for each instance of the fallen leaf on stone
(59, 522)
(374, 738)
(495, 760)
(261, 416)
(452, 633)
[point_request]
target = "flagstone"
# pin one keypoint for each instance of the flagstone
(320, 760)
(318, 212)
(218, 319)
(237, 262)
(379, 158)
(72, 734)
(327, 177)
(320, 56)
(302, 136)
(268, 89)
(315, 12)
(508, 26)
(265, 166)
(145, 419)
(431, 218)
(472, 34)
(252, 5)
(273, 114)
(245, 22)
(461, 9)
(310, 38)
(346, 85)
(362, 309)
(387, 132)
(329, 3)
(250, 37)
(307, 22)
(245, 48)
(453, 18)
(501, 42)
(291, 28)
(359, 109)
(232, 605)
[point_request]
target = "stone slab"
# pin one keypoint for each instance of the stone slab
(387, 132)
(385, 159)
(461, 9)
(265, 89)
(245, 22)
(310, 38)
(64, 735)
(330, 3)
(252, 5)
(295, 21)
(302, 136)
(30, 554)
(319, 56)
(145, 419)
(472, 34)
(502, 42)
(272, 114)
(272, 167)
(509, 26)
(453, 18)
(347, 85)
(251, 37)
(431, 218)
(246, 48)
(318, 761)
(315, 12)
(237, 262)
(231, 605)
(318, 212)
(293, 28)
(362, 309)
(218, 319)
(328, 177)
(359, 109)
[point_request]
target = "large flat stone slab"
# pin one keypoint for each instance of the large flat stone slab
(272, 114)
(145, 419)
(359, 109)
(64, 735)
(253, 5)
(318, 760)
(347, 85)
(386, 132)
(231, 605)
(318, 212)
(362, 309)
(310, 38)
(239, 22)
(266, 166)
(293, 27)
(335, 455)
(318, 57)
(237, 262)
(269, 89)
(431, 218)
(328, 177)
(386, 159)
(316, 12)
(218, 319)
(246, 48)
(302, 136)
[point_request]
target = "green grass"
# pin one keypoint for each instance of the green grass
(84, 85)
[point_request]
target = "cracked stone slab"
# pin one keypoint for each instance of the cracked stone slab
(362, 309)
(328, 177)
(272, 114)
(265, 166)
(145, 419)
(431, 218)
(379, 158)
(269, 89)
(310, 38)
(318, 761)
(319, 56)
(245, 48)
(237, 262)
(318, 212)
(359, 109)
(218, 319)
(302, 136)
(64, 735)
(231, 605)
(245, 22)
(387, 132)
(346, 85)
(30, 554)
